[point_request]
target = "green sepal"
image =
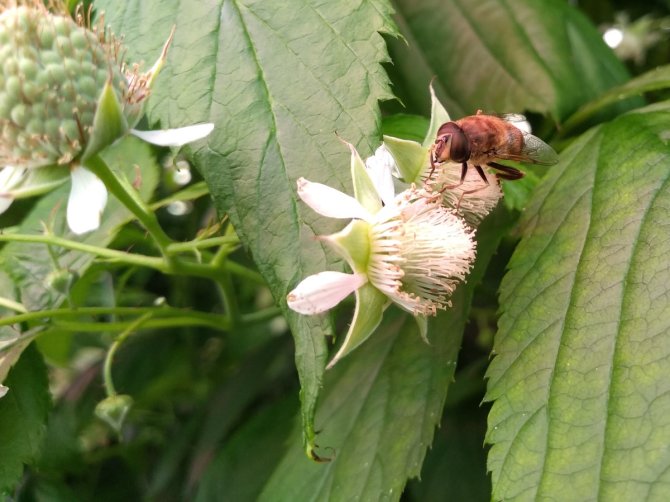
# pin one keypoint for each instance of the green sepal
(364, 189)
(438, 116)
(410, 157)
(109, 123)
(370, 306)
(353, 244)
(38, 181)
(113, 410)
(422, 323)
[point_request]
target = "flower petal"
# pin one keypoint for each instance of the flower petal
(5, 202)
(330, 202)
(381, 168)
(87, 200)
(320, 292)
(175, 137)
(10, 177)
(3, 390)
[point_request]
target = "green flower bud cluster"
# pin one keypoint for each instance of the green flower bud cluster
(51, 74)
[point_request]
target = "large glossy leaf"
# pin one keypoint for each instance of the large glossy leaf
(501, 55)
(23, 413)
(580, 377)
(280, 80)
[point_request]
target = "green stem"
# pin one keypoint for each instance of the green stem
(179, 247)
(175, 267)
(260, 316)
(112, 254)
(120, 188)
(167, 312)
(229, 298)
(194, 191)
(223, 324)
(107, 369)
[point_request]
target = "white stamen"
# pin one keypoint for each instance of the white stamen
(420, 252)
(473, 206)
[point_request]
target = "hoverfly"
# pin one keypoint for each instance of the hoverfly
(485, 139)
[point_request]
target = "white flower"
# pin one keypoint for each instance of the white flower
(88, 195)
(411, 251)
(3, 390)
(417, 251)
(10, 178)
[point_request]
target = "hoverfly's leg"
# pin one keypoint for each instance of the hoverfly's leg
(432, 163)
(464, 171)
(481, 173)
(506, 172)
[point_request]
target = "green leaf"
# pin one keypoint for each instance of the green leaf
(280, 80)
(501, 55)
(518, 192)
(456, 462)
(410, 127)
(23, 414)
(377, 415)
(244, 463)
(653, 80)
(580, 377)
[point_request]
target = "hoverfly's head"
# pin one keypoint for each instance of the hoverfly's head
(451, 144)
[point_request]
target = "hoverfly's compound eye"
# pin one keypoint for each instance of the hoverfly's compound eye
(460, 147)
(451, 143)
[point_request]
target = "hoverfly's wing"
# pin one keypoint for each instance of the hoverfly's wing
(538, 151)
(517, 120)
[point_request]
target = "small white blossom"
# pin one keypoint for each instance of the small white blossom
(418, 251)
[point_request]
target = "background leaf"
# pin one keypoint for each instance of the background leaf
(582, 355)
(279, 80)
(23, 414)
(500, 55)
